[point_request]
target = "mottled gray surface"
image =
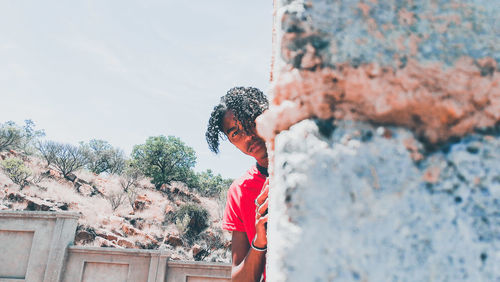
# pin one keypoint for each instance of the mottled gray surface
(356, 207)
(446, 30)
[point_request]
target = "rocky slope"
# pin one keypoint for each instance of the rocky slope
(142, 218)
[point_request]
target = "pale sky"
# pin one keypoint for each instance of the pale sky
(122, 71)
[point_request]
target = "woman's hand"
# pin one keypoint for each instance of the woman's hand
(260, 240)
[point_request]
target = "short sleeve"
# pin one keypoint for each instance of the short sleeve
(232, 220)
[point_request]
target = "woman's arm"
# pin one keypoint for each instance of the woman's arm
(249, 263)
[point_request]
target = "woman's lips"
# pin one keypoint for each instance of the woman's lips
(255, 147)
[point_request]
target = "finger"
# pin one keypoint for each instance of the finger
(262, 220)
(257, 210)
(265, 186)
(266, 183)
(262, 196)
(263, 208)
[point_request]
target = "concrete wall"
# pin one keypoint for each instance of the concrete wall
(385, 137)
(198, 272)
(36, 246)
(430, 66)
(103, 264)
(353, 205)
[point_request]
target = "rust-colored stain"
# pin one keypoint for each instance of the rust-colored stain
(436, 101)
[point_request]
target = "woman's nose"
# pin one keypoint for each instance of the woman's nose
(248, 137)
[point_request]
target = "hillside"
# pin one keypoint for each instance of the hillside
(143, 217)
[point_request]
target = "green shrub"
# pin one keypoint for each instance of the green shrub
(192, 180)
(16, 171)
(10, 137)
(210, 185)
(164, 159)
(191, 220)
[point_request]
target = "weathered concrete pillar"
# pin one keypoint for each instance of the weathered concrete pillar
(33, 244)
(385, 134)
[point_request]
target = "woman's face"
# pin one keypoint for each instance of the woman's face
(250, 144)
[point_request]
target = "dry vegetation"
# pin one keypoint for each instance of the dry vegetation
(120, 216)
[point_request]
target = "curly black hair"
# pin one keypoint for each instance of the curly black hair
(246, 103)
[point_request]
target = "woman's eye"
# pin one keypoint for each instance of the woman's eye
(236, 132)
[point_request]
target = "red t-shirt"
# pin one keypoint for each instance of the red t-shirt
(239, 214)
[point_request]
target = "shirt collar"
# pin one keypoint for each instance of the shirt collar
(262, 170)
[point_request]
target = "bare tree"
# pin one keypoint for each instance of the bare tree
(48, 150)
(15, 137)
(130, 177)
(115, 199)
(129, 180)
(102, 157)
(221, 203)
(68, 158)
(132, 194)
